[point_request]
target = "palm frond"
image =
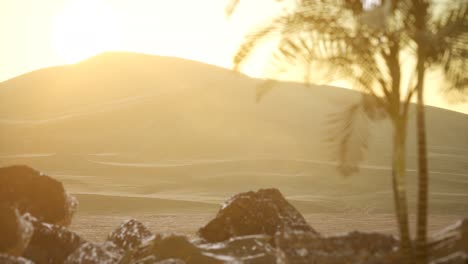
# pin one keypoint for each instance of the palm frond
(327, 35)
(339, 56)
(231, 7)
(251, 41)
(448, 44)
(349, 133)
(263, 88)
(288, 24)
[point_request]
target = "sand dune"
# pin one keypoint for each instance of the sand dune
(133, 133)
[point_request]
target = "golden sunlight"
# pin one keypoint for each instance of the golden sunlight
(85, 28)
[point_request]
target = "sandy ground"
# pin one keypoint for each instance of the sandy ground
(97, 227)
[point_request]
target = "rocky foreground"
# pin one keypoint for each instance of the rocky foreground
(251, 227)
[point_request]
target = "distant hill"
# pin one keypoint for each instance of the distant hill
(137, 124)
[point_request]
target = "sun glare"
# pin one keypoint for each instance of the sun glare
(85, 28)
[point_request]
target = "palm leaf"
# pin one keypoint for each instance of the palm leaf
(349, 133)
(448, 45)
(231, 7)
(327, 34)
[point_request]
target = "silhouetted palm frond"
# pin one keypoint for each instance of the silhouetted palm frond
(448, 44)
(231, 7)
(329, 35)
(300, 20)
(250, 43)
(342, 56)
(263, 88)
(349, 133)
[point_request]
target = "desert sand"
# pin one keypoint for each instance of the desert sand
(169, 144)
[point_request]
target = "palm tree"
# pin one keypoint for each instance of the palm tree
(364, 47)
(439, 31)
(441, 41)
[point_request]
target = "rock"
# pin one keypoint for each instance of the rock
(51, 243)
(167, 247)
(7, 259)
(144, 254)
(263, 212)
(450, 240)
(130, 235)
(145, 260)
(355, 247)
(15, 230)
(455, 258)
(171, 261)
(253, 249)
(37, 194)
(92, 253)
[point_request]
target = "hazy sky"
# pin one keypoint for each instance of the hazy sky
(37, 34)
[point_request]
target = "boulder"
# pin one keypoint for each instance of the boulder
(263, 212)
(355, 247)
(92, 253)
(51, 243)
(130, 235)
(40, 195)
(15, 231)
(7, 259)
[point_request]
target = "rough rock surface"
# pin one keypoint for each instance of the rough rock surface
(51, 243)
(92, 253)
(171, 261)
(130, 234)
(455, 258)
(15, 231)
(174, 249)
(179, 247)
(253, 249)
(355, 247)
(263, 212)
(7, 259)
(37, 194)
(451, 239)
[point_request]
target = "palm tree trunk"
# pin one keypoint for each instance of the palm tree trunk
(420, 12)
(423, 178)
(399, 190)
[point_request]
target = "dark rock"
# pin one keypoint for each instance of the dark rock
(356, 247)
(151, 259)
(253, 249)
(263, 212)
(455, 258)
(91, 253)
(15, 231)
(130, 235)
(37, 194)
(7, 259)
(450, 240)
(51, 243)
(144, 254)
(179, 247)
